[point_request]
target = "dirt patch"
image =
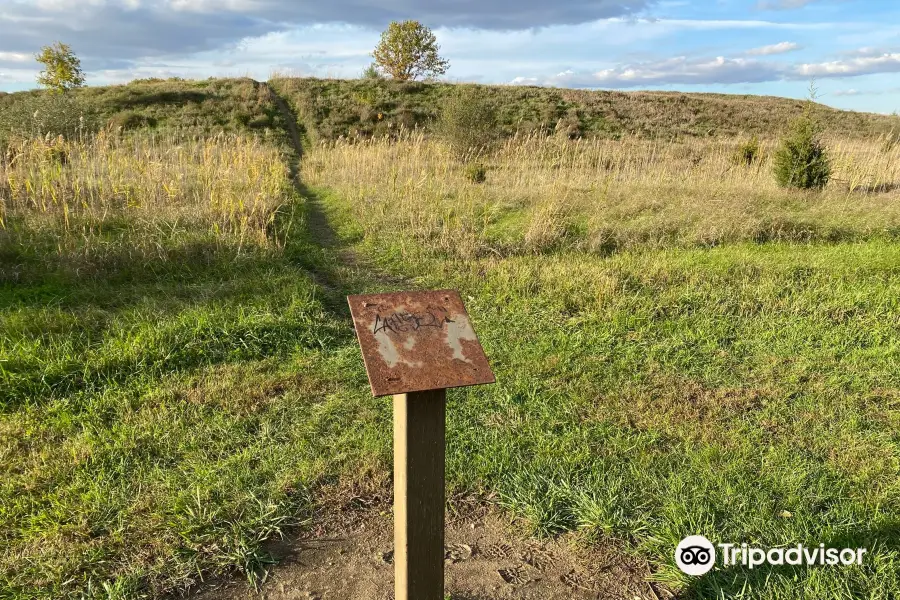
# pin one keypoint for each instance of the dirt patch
(349, 556)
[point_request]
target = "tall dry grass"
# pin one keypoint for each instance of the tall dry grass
(231, 182)
(91, 196)
(596, 194)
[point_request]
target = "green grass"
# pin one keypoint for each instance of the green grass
(169, 420)
(175, 388)
(747, 392)
(330, 108)
(171, 396)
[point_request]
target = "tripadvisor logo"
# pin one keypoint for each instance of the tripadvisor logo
(696, 555)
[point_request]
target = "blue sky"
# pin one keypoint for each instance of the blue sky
(772, 47)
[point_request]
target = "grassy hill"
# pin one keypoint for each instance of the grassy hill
(331, 108)
(194, 107)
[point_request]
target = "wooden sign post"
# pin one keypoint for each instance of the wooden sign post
(415, 346)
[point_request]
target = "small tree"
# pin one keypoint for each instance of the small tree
(468, 122)
(372, 72)
(62, 69)
(802, 160)
(408, 50)
(747, 153)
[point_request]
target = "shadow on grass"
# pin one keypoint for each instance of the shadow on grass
(735, 580)
(177, 97)
(75, 323)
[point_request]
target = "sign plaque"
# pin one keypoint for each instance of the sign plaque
(415, 345)
(416, 341)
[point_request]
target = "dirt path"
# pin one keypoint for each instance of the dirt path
(317, 223)
(347, 271)
(348, 556)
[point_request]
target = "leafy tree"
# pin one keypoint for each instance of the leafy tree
(62, 69)
(409, 50)
(802, 160)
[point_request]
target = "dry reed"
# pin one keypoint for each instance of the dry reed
(599, 194)
(230, 184)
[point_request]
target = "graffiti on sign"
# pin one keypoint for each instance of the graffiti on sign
(404, 321)
(413, 341)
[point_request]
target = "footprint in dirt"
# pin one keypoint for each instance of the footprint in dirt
(457, 553)
(517, 575)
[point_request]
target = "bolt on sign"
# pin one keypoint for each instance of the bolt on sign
(415, 346)
(416, 341)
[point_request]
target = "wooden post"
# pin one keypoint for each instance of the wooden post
(419, 432)
(415, 346)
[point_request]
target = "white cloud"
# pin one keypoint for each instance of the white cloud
(207, 6)
(865, 51)
(783, 4)
(779, 48)
(710, 24)
(17, 75)
(863, 65)
(719, 70)
(673, 70)
(15, 57)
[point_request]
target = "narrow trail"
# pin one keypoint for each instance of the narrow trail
(340, 270)
(318, 224)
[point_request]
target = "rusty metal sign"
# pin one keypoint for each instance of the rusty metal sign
(416, 341)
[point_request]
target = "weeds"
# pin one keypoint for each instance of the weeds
(81, 191)
(45, 114)
(748, 153)
(468, 124)
(614, 194)
(476, 173)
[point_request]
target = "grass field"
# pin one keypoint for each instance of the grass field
(680, 346)
(159, 410)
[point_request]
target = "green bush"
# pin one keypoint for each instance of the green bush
(371, 72)
(476, 173)
(469, 124)
(748, 152)
(802, 160)
(570, 126)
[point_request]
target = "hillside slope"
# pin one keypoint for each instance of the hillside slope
(330, 108)
(194, 107)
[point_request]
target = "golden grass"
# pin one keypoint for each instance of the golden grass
(230, 183)
(599, 195)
